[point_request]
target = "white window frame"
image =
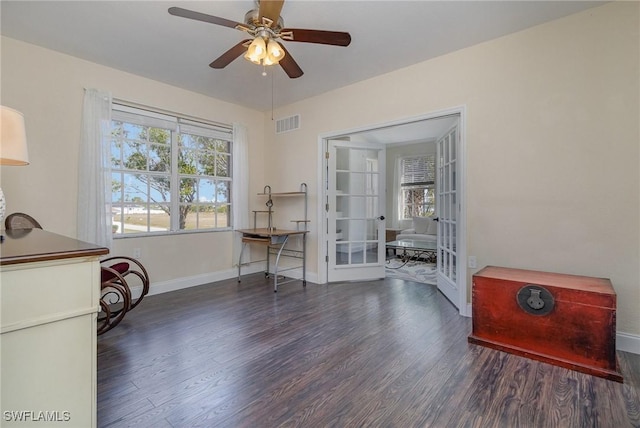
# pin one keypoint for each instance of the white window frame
(176, 124)
(422, 178)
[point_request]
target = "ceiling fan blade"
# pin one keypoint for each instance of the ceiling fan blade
(226, 58)
(185, 13)
(335, 38)
(289, 65)
(271, 9)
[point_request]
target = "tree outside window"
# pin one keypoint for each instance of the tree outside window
(168, 176)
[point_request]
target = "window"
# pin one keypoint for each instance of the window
(169, 174)
(417, 186)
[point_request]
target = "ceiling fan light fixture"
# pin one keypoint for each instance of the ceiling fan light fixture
(269, 60)
(275, 51)
(249, 58)
(257, 50)
(261, 52)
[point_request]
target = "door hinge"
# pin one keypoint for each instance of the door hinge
(326, 207)
(326, 259)
(326, 155)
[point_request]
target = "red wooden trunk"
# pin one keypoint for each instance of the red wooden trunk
(577, 333)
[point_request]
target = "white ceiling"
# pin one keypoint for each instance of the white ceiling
(140, 37)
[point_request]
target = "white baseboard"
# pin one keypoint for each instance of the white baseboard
(628, 342)
(468, 312)
(297, 273)
(194, 281)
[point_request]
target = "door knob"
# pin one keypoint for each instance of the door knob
(381, 217)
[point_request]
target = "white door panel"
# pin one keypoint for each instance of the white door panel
(355, 211)
(447, 185)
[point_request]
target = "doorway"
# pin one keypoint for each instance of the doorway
(425, 128)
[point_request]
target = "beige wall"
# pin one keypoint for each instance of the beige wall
(48, 88)
(552, 143)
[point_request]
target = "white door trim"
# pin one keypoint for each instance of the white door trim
(461, 111)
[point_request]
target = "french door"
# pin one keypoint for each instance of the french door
(355, 211)
(447, 185)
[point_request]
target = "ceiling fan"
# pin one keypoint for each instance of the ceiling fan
(265, 25)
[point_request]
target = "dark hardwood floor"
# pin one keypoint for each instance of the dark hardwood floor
(385, 353)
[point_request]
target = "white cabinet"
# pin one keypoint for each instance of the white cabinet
(49, 294)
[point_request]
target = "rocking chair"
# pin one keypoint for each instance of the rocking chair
(115, 298)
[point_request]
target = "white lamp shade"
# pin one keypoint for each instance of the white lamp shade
(13, 138)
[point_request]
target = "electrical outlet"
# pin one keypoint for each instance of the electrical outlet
(472, 262)
(136, 253)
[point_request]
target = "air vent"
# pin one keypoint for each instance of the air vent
(287, 124)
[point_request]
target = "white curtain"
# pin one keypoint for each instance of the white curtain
(94, 170)
(240, 188)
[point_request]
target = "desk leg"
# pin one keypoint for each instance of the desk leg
(266, 272)
(304, 259)
(244, 244)
(275, 268)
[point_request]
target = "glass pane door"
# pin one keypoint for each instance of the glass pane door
(447, 265)
(355, 230)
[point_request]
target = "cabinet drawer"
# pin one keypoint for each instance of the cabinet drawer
(48, 291)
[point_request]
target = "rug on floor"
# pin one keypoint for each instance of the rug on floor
(412, 271)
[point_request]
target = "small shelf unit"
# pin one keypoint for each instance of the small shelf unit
(276, 240)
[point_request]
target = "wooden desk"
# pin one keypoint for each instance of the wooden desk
(50, 287)
(275, 240)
